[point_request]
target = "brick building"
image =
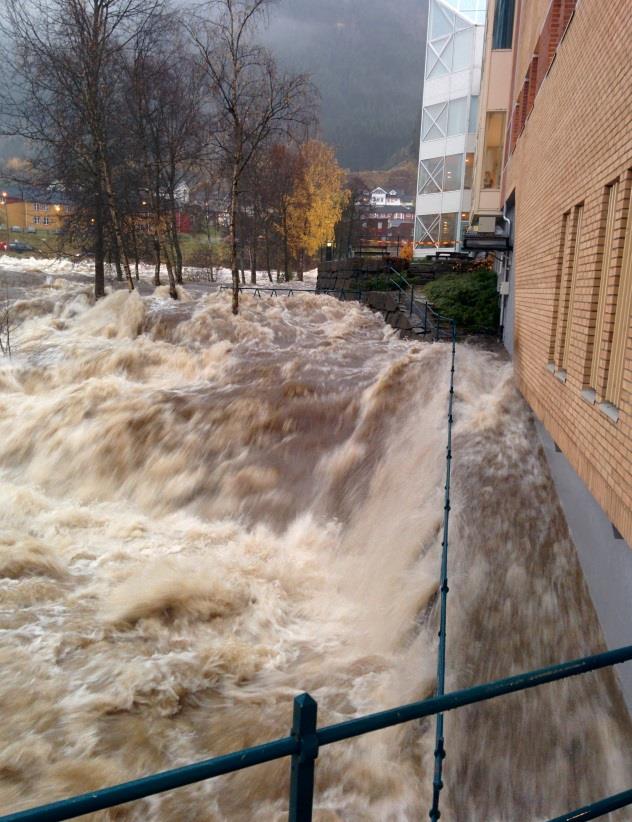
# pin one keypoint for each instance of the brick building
(566, 185)
(556, 180)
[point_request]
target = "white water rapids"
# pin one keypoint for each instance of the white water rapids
(203, 515)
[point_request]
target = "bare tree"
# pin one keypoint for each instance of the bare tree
(7, 320)
(62, 93)
(252, 100)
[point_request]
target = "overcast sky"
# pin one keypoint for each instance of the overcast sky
(367, 58)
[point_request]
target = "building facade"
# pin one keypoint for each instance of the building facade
(565, 186)
(30, 210)
(454, 50)
(551, 200)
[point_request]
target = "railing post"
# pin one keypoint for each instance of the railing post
(302, 774)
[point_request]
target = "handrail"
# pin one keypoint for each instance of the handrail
(305, 746)
(427, 315)
(277, 291)
(439, 752)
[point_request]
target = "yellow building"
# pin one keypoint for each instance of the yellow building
(30, 210)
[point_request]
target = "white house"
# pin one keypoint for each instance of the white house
(378, 196)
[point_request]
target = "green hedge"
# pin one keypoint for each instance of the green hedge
(471, 299)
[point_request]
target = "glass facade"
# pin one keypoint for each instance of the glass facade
(446, 164)
(449, 119)
(449, 173)
(450, 41)
(493, 148)
(436, 230)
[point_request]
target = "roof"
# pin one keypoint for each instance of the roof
(34, 194)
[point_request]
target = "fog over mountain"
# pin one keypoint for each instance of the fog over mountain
(366, 58)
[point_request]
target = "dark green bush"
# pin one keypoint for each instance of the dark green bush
(471, 299)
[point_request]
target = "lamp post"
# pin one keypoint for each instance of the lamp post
(5, 198)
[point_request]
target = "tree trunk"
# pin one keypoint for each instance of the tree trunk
(286, 250)
(173, 291)
(135, 244)
(157, 253)
(253, 252)
(301, 264)
(119, 268)
(268, 265)
(99, 253)
(234, 197)
(176, 241)
(115, 223)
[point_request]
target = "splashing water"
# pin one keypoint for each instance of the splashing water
(204, 515)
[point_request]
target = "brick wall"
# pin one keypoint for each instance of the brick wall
(576, 141)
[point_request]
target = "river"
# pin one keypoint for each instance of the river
(204, 515)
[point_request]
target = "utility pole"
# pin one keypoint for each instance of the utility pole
(5, 203)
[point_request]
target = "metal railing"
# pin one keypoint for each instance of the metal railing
(279, 291)
(306, 739)
(430, 322)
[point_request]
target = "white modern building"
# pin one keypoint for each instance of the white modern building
(454, 53)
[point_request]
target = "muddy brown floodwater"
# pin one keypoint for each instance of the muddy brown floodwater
(203, 515)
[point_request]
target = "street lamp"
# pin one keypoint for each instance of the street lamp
(5, 203)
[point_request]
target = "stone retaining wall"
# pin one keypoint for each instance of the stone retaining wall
(353, 275)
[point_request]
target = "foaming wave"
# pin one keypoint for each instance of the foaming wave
(208, 514)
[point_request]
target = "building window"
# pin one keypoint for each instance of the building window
(469, 171)
(430, 175)
(493, 150)
(450, 42)
(453, 172)
(502, 35)
(444, 174)
(473, 118)
(446, 119)
(40, 207)
(558, 288)
(457, 116)
(434, 122)
(436, 230)
(567, 291)
(600, 359)
(463, 49)
(622, 315)
(447, 234)
(427, 230)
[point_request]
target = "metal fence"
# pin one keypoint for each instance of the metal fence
(306, 739)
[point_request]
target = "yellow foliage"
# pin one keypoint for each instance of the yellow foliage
(317, 200)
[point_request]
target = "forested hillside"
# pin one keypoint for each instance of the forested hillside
(367, 59)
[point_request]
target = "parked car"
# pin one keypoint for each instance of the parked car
(19, 247)
(3, 246)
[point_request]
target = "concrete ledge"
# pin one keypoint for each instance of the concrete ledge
(609, 410)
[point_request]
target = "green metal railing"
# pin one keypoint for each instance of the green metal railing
(439, 753)
(306, 738)
(278, 291)
(429, 321)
